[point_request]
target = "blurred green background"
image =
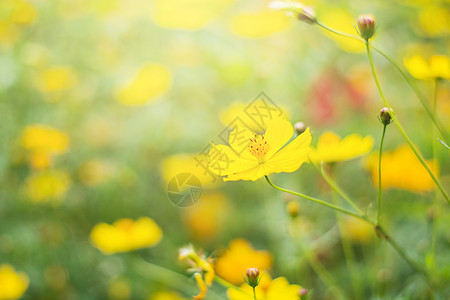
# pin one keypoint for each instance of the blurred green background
(101, 102)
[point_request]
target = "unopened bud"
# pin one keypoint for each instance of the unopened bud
(300, 127)
(385, 116)
(307, 15)
(252, 277)
(303, 292)
(303, 13)
(366, 26)
(293, 209)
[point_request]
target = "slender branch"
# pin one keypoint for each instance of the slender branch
(379, 174)
(408, 79)
(335, 187)
(337, 208)
(381, 233)
(402, 131)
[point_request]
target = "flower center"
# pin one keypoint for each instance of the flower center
(258, 147)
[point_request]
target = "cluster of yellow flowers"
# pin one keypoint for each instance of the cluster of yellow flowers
(240, 258)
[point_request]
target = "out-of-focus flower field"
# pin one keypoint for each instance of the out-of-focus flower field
(113, 113)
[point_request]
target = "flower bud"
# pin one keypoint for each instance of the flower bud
(252, 277)
(301, 12)
(366, 26)
(303, 292)
(307, 15)
(300, 127)
(385, 116)
(293, 209)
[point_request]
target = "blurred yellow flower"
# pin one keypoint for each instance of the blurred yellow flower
(12, 284)
(165, 296)
(42, 138)
(268, 289)
(43, 142)
(56, 79)
(401, 169)
(438, 67)
(187, 14)
(196, 165)
(357, 230)
(47, 186)
(14, 15)
(240, 256)
(434, 20)
(95, 172)
(251, 156)
(260, 24)
(341, 20)
(125, 235)
(150, 82)
(205, 219)
(331, 148)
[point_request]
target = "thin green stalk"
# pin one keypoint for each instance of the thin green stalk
(435, 200)
(317, 266)
(408, 79)
(337, 208)
(378, 229)
(379, 174)
(402, 131)
(254, 293)
(334, 186)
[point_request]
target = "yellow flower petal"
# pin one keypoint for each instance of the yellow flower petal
(278, 133)
(225, 161)
(12, 284)
(291, 157)
(418, 67)
(440, 66)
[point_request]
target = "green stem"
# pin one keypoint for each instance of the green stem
(335, 187)
(337, 208)
(379, 174)
(435, 202)
(254, 293)
(400, 128)
(378, 229)
(405, 75)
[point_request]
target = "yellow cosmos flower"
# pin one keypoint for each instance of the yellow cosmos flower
(202, 266)
(251, 156)
(331, 148)
(150, 82)
(434, 20)
(42, 138)
(401, 169)
(260, 24)
(12, 284)
(47, 186)
(44, 142)
(240, 256)
(268, 289)
(125, 235)
(438, 67)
